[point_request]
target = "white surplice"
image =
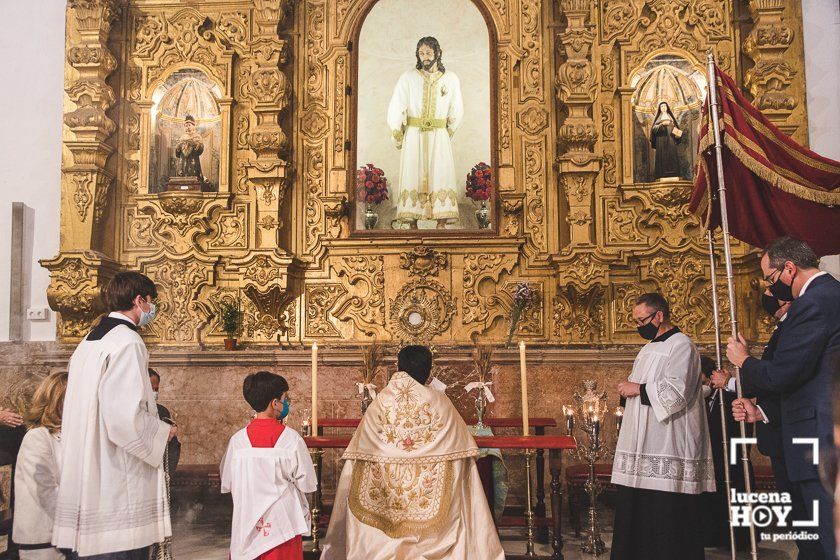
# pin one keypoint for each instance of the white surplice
(268, 486)
(112, 493)
(425, 111)
(409, 488)
(665, 445)
(36, 488)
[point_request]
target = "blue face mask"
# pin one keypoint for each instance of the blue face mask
(285, 411)
(146, 318)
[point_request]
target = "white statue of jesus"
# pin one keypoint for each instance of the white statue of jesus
(425, 110)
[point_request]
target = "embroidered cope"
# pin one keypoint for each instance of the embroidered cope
(665, 445)
(409, 487)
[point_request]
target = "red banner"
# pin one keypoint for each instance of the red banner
(774, 186)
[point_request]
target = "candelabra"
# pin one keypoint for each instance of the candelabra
(480, 409)
(591, 409)
(366, 399)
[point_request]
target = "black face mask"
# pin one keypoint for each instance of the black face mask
(782, 291)
(648, 330)
(770, 304)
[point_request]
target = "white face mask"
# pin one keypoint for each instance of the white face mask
(707, 391)
(146, 318)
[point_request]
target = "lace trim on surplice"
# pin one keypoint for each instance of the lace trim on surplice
(663, 466)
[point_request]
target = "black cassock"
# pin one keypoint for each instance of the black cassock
(714, 505)
(657, 525)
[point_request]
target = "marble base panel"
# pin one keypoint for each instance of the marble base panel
(203, 388)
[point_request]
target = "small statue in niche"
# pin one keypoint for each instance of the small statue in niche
(188, 165)
(188, 150)
(664, 137)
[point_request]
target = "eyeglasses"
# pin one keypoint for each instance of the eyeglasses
(645, 320)
(828, 468)
(768, 280)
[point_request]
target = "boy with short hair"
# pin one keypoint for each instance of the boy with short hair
(268, 470)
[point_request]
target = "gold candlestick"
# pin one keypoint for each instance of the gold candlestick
(315, 511)
(591, 408)
(529, 512)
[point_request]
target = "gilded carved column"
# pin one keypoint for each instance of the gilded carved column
(576, 89)
(269, 91)
(770, 81)
(80, 268)
(266, 271)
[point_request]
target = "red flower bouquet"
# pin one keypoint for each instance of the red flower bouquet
(371, 184)
(480, 182)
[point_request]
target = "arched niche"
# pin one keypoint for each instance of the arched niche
(168, 97)
(186, 99)
(663, 108)
(385, 42)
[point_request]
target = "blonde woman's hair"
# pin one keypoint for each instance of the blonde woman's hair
(48, 402)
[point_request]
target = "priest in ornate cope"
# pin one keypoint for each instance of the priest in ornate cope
(409, 487)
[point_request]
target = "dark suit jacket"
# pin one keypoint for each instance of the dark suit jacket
(769, 435)
(801, 371)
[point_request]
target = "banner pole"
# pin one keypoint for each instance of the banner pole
(730, 281)
(721, 392)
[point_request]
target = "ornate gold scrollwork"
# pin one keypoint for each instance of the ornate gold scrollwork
(421, 310)
(76, 280)
(423, 261)
(571, 219)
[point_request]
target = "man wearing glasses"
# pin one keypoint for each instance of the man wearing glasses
(800, 371)
(663, 457)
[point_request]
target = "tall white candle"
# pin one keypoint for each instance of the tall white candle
(314, 388)
(524, 382)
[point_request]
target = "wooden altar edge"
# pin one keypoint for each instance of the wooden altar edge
(499, 442)
(490, 422)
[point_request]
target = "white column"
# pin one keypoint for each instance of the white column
(821, 27)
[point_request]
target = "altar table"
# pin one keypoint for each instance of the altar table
(555, 445)
(538, 425)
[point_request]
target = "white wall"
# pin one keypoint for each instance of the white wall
(821, 27)
(32, 68)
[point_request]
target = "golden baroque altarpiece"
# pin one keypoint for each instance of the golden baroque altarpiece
(276, 231)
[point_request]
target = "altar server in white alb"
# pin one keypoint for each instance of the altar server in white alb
(112, 495)
(267, 470)
(425, 111)
(663, 457)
